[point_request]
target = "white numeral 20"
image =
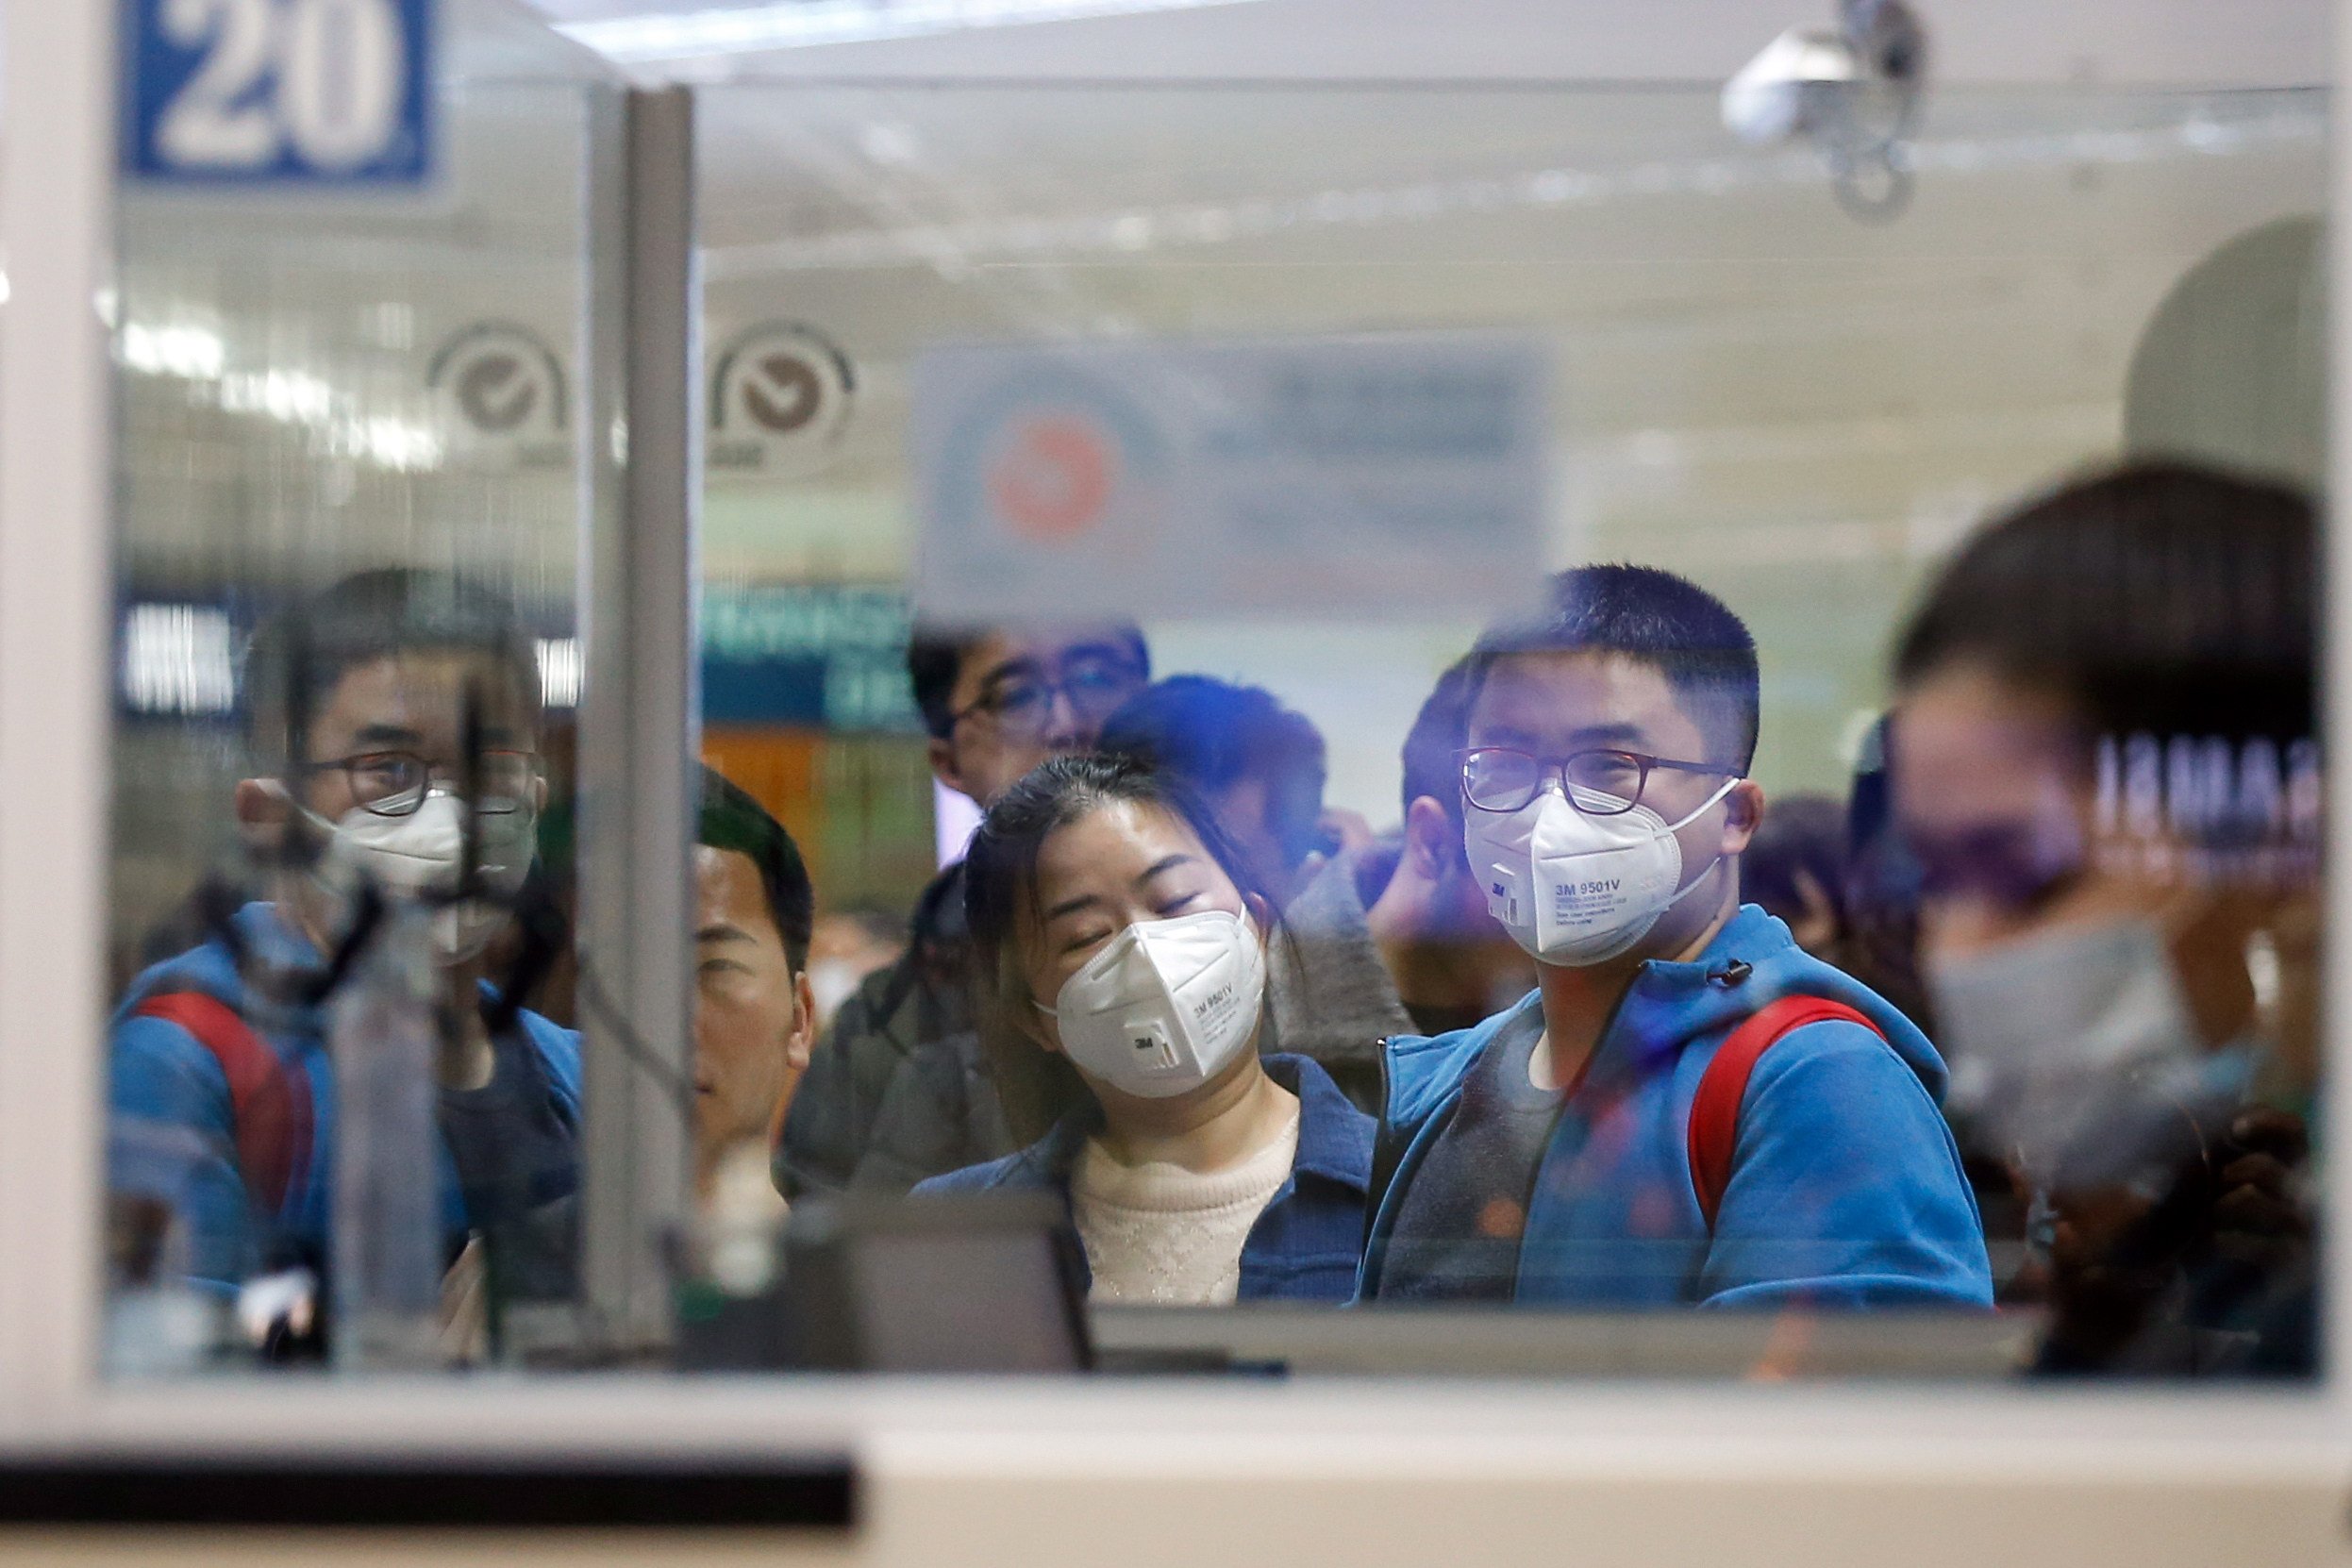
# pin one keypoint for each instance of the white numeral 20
(341, 68)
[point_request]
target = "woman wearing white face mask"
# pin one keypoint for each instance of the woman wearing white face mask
(1122, 953)
(2103, 767)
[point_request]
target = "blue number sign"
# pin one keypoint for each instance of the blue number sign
(304, 92)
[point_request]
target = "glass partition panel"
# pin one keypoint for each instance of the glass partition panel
(1511, 518)
(351, 486)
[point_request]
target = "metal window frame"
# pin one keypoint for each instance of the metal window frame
(641, 709)
(55, 203)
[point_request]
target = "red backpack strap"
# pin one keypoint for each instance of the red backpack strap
(269, 1101)
(1715, 1108)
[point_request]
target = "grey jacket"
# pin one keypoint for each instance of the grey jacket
(1332, 999)
(920, 1003)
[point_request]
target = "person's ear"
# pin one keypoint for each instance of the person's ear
(801, 1040)
(941, 749)
(1261, 915)
(1431, 845)
(1040, 1027)
(1817, 927)
(1744, 812)
(263, 812)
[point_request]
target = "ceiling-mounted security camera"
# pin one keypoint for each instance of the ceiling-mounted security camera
(1853, 92)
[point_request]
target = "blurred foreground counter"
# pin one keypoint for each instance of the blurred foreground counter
(1209, 1496)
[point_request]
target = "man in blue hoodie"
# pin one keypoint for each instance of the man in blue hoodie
(361, 706)
(1565, 1152)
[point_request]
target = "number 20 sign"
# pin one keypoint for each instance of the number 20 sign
(278, 92)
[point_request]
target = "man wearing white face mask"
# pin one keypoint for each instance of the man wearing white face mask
(359, 706)
(1689, 1109)
(2106, 774)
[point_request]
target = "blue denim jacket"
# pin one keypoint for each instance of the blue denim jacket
(1306, 1245)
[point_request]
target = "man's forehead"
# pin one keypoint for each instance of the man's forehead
(728, 891)
(423, 686)
(1043, 647)
(430, 676)
(1555, 692)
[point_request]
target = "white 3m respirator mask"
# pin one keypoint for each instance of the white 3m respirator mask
(1574, 890)
(1166, 1006)
(419, 856)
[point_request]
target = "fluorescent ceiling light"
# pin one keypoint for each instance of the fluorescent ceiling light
(178, 658)
(798, 23)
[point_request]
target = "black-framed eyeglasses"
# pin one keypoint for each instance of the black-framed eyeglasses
(1602, 782)
(394, 783)
(1022, 703)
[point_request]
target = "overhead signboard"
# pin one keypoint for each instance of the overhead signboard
(1328, 476)
(309, 93)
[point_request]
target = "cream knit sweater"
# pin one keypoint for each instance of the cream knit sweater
(1161, 1234)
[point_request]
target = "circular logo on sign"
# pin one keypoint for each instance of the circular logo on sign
(1053, 474)
(779, 399)
(496, 393)
(500, 391)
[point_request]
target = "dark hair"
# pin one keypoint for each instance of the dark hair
(934, 659)
(1658, 619)
(1213, 734)
(935, 656)
(730, 819)
(299, 655)
(2157, 598)
(1432, 746)
(1000, 893)
(1800, 833)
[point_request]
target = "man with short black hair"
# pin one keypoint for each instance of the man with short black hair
(1688, 1108)
(753, 1015)
(392, 725)
(996, 701)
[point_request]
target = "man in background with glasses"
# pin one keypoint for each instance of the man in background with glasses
(1688, 1108)
(897, 1089)
(393, 723)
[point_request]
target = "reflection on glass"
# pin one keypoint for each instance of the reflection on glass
(345, 1093)
(2105, 772)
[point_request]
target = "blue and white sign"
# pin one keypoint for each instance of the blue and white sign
(334, 92)
(1335, 475)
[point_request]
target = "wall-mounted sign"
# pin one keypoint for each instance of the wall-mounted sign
(500, 394)
(832, 657)
(1328, 476)
(779, 399)
(279, 92)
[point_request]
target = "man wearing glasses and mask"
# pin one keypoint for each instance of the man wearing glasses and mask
(393, 723)
(1689, 1109)
(898, 1090)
